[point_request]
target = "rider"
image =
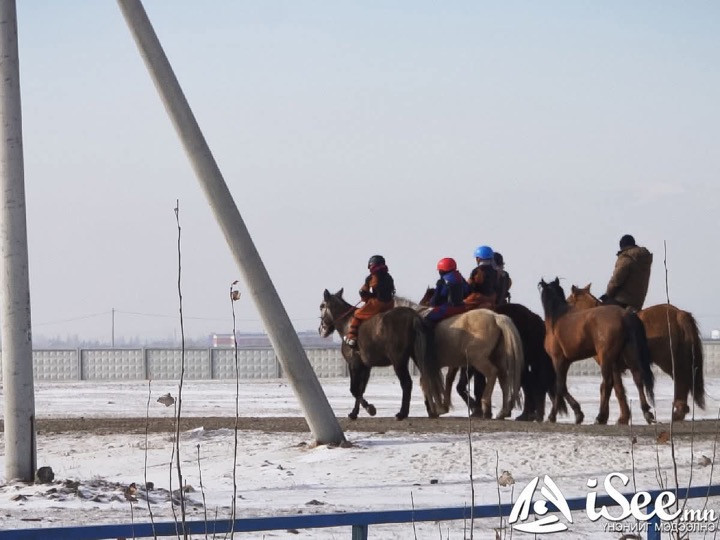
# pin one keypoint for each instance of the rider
(377, 292)
(483, 280)
(450, 289)
(629, 283)
(504, 281)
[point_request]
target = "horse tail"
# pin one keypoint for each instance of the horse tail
(693, 350)
(431, 380)
(636, 332)
(514, 355)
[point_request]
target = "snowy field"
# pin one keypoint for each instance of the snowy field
(283, 474)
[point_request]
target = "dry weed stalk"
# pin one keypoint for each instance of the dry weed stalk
(145, 467)
(182, 375)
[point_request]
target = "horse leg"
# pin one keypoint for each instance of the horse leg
(605, 390)
(449, 378)
(680, 406)
(478, 385)
(528, 412)
(622, 398)
(486, 399)
(504, 380)
(359, 377)
(403, 374)
(462, 388)
(644, 405)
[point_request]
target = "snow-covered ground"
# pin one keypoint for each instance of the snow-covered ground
(281, 474)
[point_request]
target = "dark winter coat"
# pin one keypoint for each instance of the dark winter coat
(629, 282)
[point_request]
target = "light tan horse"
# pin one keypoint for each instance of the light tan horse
(485, 340)
(673, 338)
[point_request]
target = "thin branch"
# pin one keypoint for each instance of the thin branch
(182, 374)
(202, 490)
(235, 295)
(412, 502)
(147, 494)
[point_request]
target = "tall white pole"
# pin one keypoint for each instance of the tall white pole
(20, 453)
(296, 366)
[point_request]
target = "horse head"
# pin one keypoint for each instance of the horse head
(582, 297)
(332, 309)
(427, 296)
(552, 297)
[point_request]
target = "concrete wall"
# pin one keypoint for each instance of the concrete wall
(257, 363)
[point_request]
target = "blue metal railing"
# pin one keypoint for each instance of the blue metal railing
(359, 521)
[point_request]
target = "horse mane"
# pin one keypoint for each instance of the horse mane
(553, 299)
(401, 301)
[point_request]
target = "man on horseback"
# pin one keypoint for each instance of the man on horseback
(504, 281)
(450, 289)
(377, 292)
(629, 283)
(483, 280)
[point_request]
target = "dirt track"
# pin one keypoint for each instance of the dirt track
(701, 428)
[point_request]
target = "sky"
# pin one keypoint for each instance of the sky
(282, 474)
(415, 130)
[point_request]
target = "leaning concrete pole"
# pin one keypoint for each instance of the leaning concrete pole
(296, 366)
(20, 457)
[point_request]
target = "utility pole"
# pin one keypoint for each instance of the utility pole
(20, 450)
(296, 366)
(112, 338)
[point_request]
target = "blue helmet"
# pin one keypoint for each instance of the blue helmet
(484, 252)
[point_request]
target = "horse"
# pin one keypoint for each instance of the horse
(386, 339)
(486, 341)
(538, 376)
(673, 338)
(613, 335)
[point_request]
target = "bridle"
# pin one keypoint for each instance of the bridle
(326, 314)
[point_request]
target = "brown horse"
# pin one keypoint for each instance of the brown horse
(387, 339)
(538, 377)
(611, 334)
(486, 341)
(673, 337)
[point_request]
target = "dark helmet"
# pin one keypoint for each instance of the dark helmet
(376, 259)
(627, 241)
(446, 265)
(497, 256)
(484, 252)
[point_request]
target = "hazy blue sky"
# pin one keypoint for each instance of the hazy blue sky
(413, 129)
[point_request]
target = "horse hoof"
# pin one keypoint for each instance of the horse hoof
(401, 416)
(552, 419)
(371, 410)
(579, 418)
(623, 421)
(600, 421)
(649, 417)
(524, 417)
(352, 416)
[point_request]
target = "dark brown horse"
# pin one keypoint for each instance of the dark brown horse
(673, 337)
(538, 377)
(387, 339)
(611, 334)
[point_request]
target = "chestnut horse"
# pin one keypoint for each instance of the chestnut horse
(613, 335)
(486, 341)
(538, 377)
(673, 337)
(386, 339)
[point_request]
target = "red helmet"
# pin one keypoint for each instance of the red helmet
(447, 265)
